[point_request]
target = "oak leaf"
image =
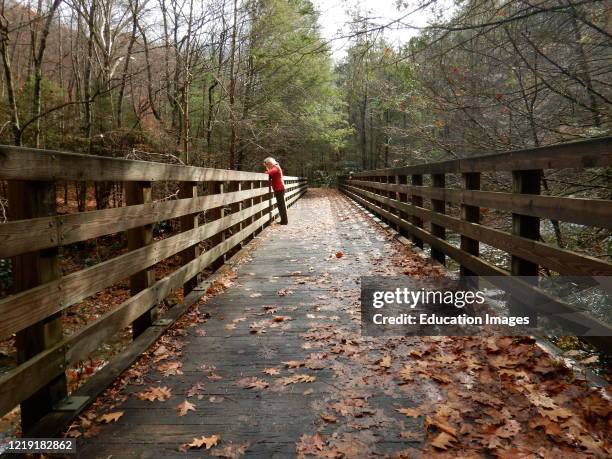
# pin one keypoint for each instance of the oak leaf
(195, 389)
(299, 378)
(171, 368)
(443, 441)
(293, 364)
(110, 417)
(184, 407)
(207, 442)
(160, 393)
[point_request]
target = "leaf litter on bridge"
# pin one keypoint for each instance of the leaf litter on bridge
(396, 397)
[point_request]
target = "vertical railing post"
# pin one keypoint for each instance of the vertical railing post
(216, 213)
(187, 222)
(270, 202)
(471, 181)
(140, 193)
(439, 206)
(31, 200)
(417, 200)
(527, 226)
(402, 180)
(234, 186)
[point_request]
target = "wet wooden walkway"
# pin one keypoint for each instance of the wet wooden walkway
(275, 365)
(294, 304)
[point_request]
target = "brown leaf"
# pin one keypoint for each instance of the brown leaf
(555, 414)
(155, 393)
(509, 429)
(339, 254)
(110, 417)
(281, 318)
(271, 371)
(294, 364)
(299, 378)
(184, 407)
(441, 424)
(443, 441)
(171, 368)
(310, 444)
(541, 400)
(550, 428)
(406, 374)
(196, 389)
(207, 442)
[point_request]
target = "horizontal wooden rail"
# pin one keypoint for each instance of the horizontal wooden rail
(18, 163)
(571, 155)
(22, 236)
(589, 212)
(230, 219)
(564, 262)
(399, 197)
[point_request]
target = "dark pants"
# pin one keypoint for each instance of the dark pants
(282, 207)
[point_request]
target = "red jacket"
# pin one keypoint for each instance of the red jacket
(276, 177)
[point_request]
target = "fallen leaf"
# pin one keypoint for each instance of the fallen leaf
(406, 374)
(271, 371)
(443, 441)
(184, 407)
(207, 442)
(300, 378)
(310, 444)
(171, 368)
(293, 364)
(195, 389)
(110, 417)
(339, 254)
(155, 393)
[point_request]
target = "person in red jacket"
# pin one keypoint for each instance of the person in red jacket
(275, 173)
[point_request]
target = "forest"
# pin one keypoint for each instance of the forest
(224, 83)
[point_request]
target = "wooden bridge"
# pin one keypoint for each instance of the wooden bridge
(263, 354)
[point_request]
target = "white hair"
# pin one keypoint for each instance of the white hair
(270, 160)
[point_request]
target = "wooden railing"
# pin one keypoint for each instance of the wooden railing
(398, 196)
(237, 205)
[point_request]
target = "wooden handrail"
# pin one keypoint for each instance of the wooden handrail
(571, 155)
(244, 211)
(397, 196)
